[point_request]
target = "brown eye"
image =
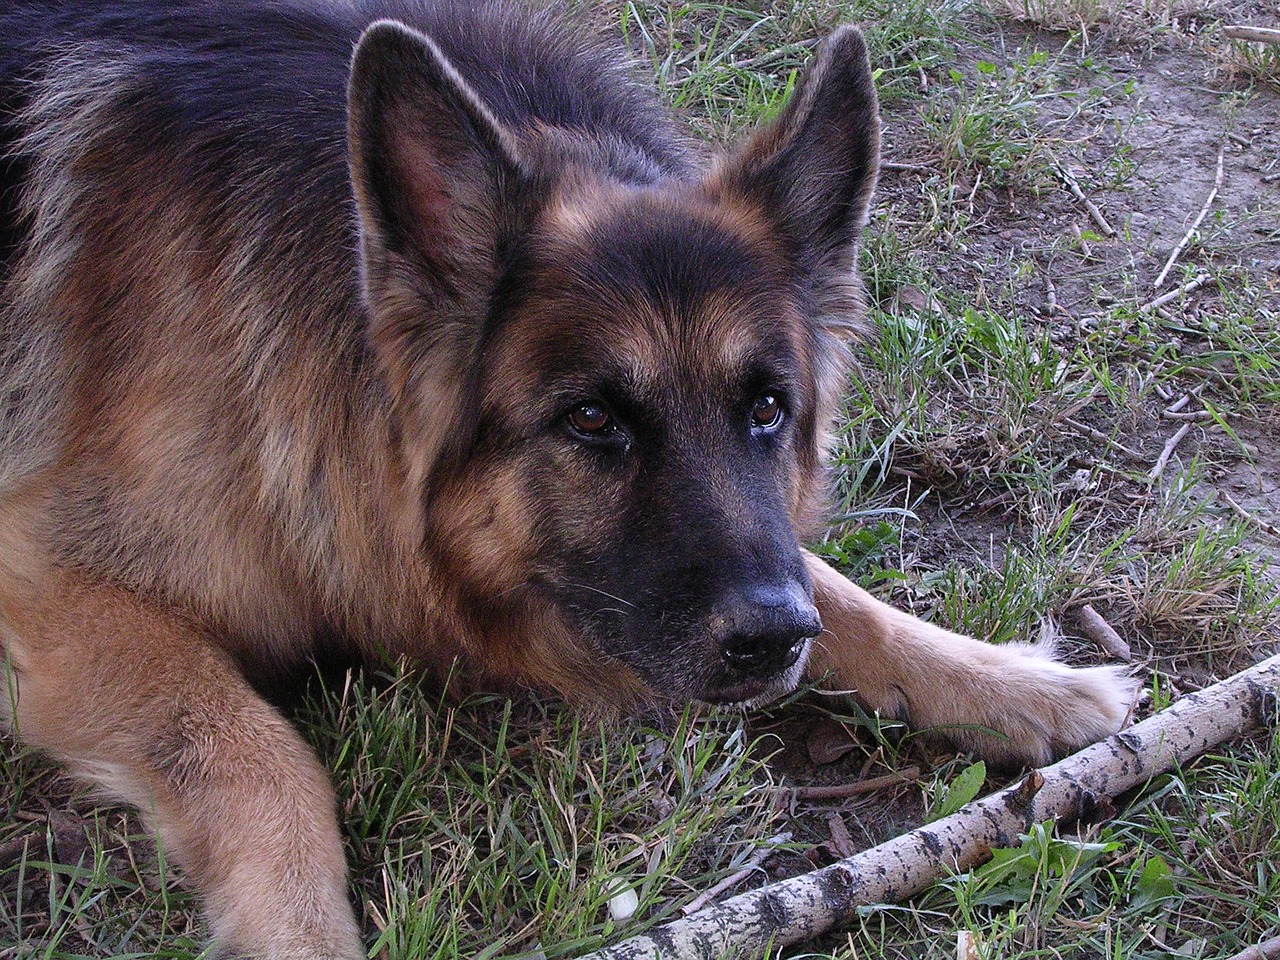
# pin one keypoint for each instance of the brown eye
(766, 414)
(590, 419)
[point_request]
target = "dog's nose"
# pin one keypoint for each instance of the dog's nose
(763, 632)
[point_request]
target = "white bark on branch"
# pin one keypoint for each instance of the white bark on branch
(796, 910)
(1195, 225)
(1255, 34)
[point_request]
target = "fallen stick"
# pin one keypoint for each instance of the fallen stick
(843, 791)
(1183, 400)
(1085, 247)
(1194, 284)
(802, 908)
(1074, 186)
(1051, 297)
(775, 54)
(1254, 519)
(767, 849)
(1093, 626)
(1195, 225)
(1167, 452)
(1100, 435)
(1268, 949)
(899, 167)
(1256, 34)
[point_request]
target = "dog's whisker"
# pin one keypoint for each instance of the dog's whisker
(603, 593)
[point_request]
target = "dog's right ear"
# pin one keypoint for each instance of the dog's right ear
(434, 174)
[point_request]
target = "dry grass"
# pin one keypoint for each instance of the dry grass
(1132, 19)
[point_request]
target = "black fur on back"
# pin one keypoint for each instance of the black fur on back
(237, 80)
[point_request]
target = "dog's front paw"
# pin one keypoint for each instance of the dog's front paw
(1009, 703)
(1021, 705)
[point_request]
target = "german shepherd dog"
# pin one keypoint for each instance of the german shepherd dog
(415, 330)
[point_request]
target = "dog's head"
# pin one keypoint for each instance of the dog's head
(614, 386)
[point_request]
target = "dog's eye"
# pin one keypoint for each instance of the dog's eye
(766, 413)
(591, 420)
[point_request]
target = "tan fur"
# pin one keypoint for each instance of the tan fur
(1011, 703)
(143, 703)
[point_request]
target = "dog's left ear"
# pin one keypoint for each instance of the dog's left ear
(812, 170)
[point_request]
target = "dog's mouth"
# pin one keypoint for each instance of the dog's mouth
(693, 666)
(731, 688)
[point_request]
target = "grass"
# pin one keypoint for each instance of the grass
(1246, 60)
(499, 829)
(483, 828)
(1135, 18)
(991, 473)
(1187, 869)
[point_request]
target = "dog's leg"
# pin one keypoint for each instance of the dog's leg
(962, 688)
(146, 705)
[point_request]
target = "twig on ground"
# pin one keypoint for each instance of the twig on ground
(977, 182)
(767, 849)
(1167, 452)
(1238, 31)
(1051, 297)
(1074, 186)
(1097, 434)
(1195, 225)
(1093, 626)
(899, 167)
(1268, 949)
(1085, 247)
(1183, 400)
(775, 54)
(1187, 415)
(1252, 518)
(1191, 285)
(842, 791)
(802, 908)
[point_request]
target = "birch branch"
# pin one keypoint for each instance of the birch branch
(1195, 225)
(1254, 34)
(802, 908)
(1073, 185)
(1170, 445)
